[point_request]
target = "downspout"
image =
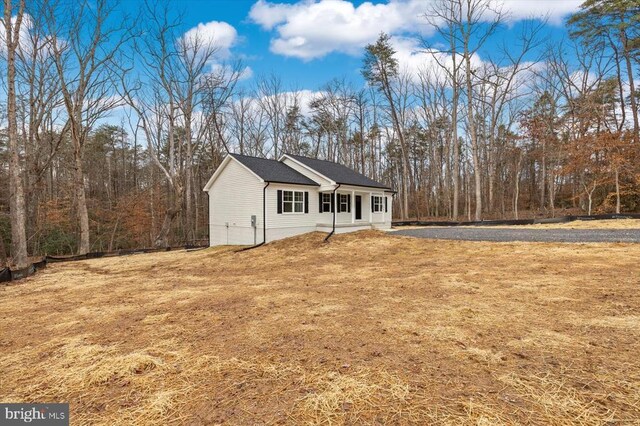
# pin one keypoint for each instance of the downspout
(264, 213)
(208, 218)
(264, 221)
(335, 209)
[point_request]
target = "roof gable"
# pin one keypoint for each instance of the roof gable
(337, 172)
(273, 170)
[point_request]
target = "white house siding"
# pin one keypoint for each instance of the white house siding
(234, 196)
(285, 225)
(385, 218)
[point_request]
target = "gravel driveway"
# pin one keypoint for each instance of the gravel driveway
(535, 235)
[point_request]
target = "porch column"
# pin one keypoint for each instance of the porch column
(370, 207)
(353, 206)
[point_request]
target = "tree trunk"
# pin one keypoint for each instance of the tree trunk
(81, 201)
(517, 189)
(16, 190)
(632, 88)
(474, 140)
(543, 176)
(454, 132)
(617, 172)
(552, 194)
(515, 198)
(3, 253)
(189, 234)
(162, 240)
(175, 203)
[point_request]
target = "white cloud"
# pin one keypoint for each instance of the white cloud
(213, 35)
(246, 73)
(305, 97)
(221, 37)
(415, 60)
(314, 28)
(555, 10)
(24, 37)
(310, 30)
(220, 68)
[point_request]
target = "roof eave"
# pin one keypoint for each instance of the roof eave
(292, 183)
(385, 188)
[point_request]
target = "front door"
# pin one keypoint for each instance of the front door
(358, 207)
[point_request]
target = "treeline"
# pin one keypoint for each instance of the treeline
(482, 128)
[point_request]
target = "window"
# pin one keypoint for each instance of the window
(377, 205)
(292, 201)
(344, 203)
(326, 202)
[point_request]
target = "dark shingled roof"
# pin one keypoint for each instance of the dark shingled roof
(338, 173)
(273, 171)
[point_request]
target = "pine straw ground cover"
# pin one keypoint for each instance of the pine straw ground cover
(370, 328)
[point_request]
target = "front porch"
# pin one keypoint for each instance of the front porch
(352, 209)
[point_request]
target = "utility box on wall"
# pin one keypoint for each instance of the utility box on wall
(254, 225)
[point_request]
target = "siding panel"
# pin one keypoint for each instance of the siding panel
(233, 198)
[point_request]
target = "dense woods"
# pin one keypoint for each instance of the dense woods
(110, 125)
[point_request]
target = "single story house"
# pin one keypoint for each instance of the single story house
(255, 200)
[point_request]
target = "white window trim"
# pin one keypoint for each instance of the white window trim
(376, 199)
(293, 202)
(326, 203)
(346, 203)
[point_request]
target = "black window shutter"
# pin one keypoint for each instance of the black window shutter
(306, 202)
(372, 203)
(279, 201)
(349, 203)
(320, 204)
(339, 199)
(333, 202)
(385, 205)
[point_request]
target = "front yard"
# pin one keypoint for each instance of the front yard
(368, 328)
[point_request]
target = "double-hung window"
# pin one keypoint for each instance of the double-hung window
(344, 203)
(326, 202)
(378, 204)
(292, 201)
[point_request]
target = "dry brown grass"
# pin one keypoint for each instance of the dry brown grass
(370, 328)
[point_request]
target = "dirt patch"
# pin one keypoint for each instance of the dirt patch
(369, 328)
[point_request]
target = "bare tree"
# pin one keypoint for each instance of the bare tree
(86, 44)
(193, 55)
(443, 16)
(156, 105)
(504, 83)
(269, 93)
(40, 102)
(16, 197)
(474, 33)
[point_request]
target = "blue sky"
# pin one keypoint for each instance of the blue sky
(309, 42)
